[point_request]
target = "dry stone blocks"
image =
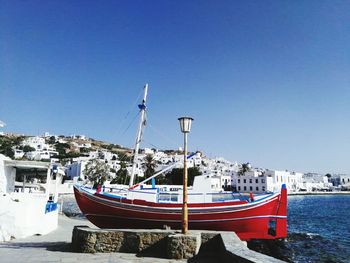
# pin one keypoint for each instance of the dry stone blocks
(180, 246)
(196, 245)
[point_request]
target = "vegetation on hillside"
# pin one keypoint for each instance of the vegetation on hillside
(175, 177)
(96, 171)
(244, 168)
(149, 166)
(7, 143)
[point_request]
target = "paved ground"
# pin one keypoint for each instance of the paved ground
(55, 247)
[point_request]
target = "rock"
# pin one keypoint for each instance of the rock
(180, 246)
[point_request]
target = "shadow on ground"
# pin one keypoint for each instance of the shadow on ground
(50, 246)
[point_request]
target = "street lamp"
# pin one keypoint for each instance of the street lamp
(185, 124)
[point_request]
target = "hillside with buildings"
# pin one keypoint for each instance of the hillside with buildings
(74, 152)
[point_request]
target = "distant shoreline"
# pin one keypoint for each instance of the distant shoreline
(320, 193)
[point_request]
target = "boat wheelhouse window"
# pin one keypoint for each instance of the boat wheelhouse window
(168, 197)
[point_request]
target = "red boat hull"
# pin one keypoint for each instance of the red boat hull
(264, 219)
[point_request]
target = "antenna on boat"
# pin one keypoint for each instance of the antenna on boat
(142, 123)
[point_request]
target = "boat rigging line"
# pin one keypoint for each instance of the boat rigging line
(162, 135)
(131, 109)
(132, 121)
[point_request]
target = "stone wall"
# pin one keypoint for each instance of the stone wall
(87, 240)
(195, 246)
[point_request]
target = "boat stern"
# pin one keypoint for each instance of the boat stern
(281, 219)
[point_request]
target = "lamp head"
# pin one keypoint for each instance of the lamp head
(185, 124)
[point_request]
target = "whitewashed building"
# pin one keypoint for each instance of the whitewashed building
(258, 181)
(340, 182)
(23, 214)
(75, 170)
(41, 155)
(221, 168)
(315, 182)
(292, 180)
(18, 153)
(253, 181)
(36, 142)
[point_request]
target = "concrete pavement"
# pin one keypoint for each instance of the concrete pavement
(55, 247)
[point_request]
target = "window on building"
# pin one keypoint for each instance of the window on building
(239, 188)
(251, 188)
(263, 188)
(245, 188)
(244, 180)
(256, 180)
(263, 181)
(239, 181)
(250, 180)
(257, 188)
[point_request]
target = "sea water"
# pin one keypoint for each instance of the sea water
(323, 223)
(318, 230)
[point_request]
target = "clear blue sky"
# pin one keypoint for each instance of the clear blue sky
(266, 81)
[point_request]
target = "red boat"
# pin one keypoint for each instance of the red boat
(134, 206)
(263, 218)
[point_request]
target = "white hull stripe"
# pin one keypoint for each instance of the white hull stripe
(194, 221)
(147, 209)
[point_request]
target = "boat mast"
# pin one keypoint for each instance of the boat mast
(142, 108)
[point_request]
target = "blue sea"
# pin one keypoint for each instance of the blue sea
(318, 230)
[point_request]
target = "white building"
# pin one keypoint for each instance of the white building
(24, 214)
(158, 155)
(41, 155)
(18, 153)
(75, 170)
(292, 180)
(197, 160)
(80, 137)
(36, 142)
(148, 151)
(253, 181)
(221, 168)
(267, 181)
(315, 182)
(166, 160)
(341, 181)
